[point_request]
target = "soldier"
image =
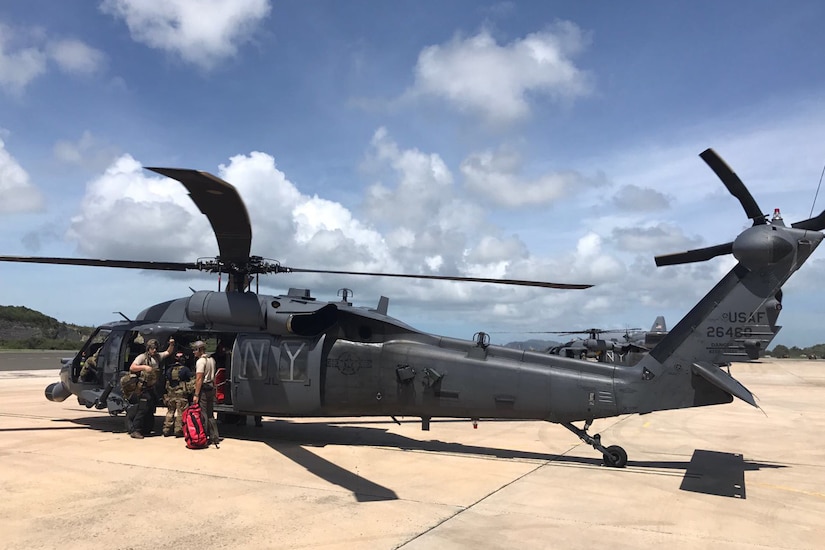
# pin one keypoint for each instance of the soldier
(205, 388)
(147, 367)
(178, 391)
(89, 371)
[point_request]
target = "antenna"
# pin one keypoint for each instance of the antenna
(122, 315)
(345, 293)
(811, 215)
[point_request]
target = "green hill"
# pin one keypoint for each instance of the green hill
(24, 328)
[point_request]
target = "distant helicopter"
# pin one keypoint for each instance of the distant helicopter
(292, 355)
(647, 339)
(594, 347)
(759, 331)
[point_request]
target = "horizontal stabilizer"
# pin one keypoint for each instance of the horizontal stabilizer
(724, 381)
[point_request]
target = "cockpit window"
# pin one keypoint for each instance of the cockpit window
(89, 363)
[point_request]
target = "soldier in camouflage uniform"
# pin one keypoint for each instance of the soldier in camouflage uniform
(179, 386)
(89, 372)
(147, 367)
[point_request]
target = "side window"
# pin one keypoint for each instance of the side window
(293, 363)
(112, 351)
(251, 357)
(91, 355)
(135, 348)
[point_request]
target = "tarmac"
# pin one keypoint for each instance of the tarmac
(723, 477)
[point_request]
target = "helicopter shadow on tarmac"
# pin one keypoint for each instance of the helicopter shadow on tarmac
(362, 489)
(708, 472)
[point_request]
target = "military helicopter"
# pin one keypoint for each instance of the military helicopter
(292, 355)
(647, 338)
(594, 347)
(760, 330)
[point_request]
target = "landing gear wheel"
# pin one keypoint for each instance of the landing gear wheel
(615, 457)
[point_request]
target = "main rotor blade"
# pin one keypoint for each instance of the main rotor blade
(816, 224)
(585, 331)
(222, 205)
(697, 255)
(515, 282)
(129, 264)
(734, 185)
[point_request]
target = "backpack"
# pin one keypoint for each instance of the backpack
(128, 385)
(177, 382)
(194, 432)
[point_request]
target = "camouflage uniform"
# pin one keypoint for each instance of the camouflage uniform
(178, 391)
(145, 396)
(146, 400)
(89, 372)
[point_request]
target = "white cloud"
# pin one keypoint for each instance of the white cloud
(478, 75)
(129, 214)
(87, 151)
(493, 249)
(496, 175)
(75, 57)
(17, 193)
(148, 217)
(18, 67)
(203, 33)
(25, 53)
(420, 207)
(661, 238)
(424, 183)
(595, 263)
(639, 199)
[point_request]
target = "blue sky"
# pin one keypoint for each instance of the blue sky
(544, 140)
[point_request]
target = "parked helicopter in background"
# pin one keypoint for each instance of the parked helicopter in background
(758, 332)
(594, 347)
(647, 339)
(293, 355)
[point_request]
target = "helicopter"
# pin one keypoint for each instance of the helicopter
(760, 330)
(647, 339)
(292, 355)
(594, 347)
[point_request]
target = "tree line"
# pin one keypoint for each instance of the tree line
(25, 328)
(811, 352)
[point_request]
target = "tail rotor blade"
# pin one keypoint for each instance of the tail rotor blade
(734, 185)
(816, 224)
(697, 255)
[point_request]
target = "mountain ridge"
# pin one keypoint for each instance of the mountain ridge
(25, 328)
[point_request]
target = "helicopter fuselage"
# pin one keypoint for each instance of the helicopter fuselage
(308, 358)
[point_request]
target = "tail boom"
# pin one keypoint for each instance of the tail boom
(683, 370)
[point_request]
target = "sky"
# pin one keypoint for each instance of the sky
(548, 140)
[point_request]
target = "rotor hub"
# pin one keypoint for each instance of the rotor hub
(761, 246)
